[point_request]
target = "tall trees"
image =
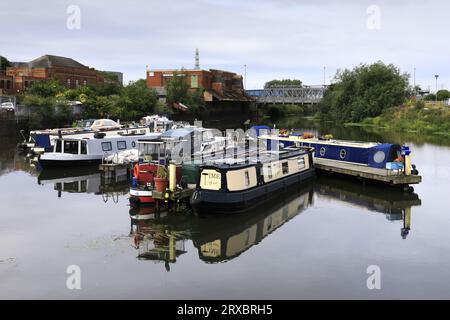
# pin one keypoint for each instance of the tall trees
(364, 92)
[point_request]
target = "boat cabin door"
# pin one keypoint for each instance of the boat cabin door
(152, 152)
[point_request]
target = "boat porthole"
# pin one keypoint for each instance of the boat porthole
(133, 144)
(342, 153)
(379, 156)
(322, 151)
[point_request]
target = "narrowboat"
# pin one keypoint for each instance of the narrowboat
(375, 155)
(371, 154)
(43, 140)
(69, 151)
(239, 186)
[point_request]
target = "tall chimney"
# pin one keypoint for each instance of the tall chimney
(197, 60)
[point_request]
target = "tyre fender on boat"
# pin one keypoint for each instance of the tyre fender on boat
(136, 171)
(195, 198)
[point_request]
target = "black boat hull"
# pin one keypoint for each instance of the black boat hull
(68, 163)
(216, 202)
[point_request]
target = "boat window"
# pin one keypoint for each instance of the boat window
(58, 146)
(121, 145)
(106, 146)
(71, 147)
(83, 148)
(285, 167)
(322, 151)
(247, 178)
(301, 163)
(379, 156)
(269, 171)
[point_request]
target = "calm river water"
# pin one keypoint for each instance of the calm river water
(315, 242)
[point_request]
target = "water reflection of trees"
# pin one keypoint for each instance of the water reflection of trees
(11, 160)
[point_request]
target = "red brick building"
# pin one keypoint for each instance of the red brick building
(218, 85)
(69, 72)
(6, 83)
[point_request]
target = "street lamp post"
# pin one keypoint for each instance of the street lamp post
(436, 76)
(245, 76)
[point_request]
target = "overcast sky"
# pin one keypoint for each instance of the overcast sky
(275, 39)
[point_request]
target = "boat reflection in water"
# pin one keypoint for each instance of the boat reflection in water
(162, 236)
(395, 204)
(84, 180)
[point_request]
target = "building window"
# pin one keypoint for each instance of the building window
(194, 81)
(26, 84)
(106, 146)
(84, 82)
(2, 83)
(68, 82)
(121, 145)
(285, 167)
(77, 83)
(8, 84)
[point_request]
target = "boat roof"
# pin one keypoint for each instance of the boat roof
(182, 132)
(344, 143)
(149, 136)
(264, 157)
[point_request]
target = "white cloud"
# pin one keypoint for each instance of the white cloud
(275, 39)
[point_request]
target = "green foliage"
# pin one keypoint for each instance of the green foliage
(196, 102)
(4, 63)
(282, 110)
(419, 104)
(161, 172)
(284, 82)
(137, 100)
(106, 89)
(363, 92)
(48, 88)
(430, 97)
(108, 75)
(443, 95)
(178, 90)
(421, 120)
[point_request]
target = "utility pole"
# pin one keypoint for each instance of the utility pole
(436, 76)
(245, 76)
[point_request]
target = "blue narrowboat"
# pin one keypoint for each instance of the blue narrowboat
(375, 155)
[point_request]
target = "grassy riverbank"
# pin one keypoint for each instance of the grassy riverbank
(423, 119)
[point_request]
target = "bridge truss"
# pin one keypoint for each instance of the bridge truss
(288, 94)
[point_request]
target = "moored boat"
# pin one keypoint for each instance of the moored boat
(69, 151)
(239, 186)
